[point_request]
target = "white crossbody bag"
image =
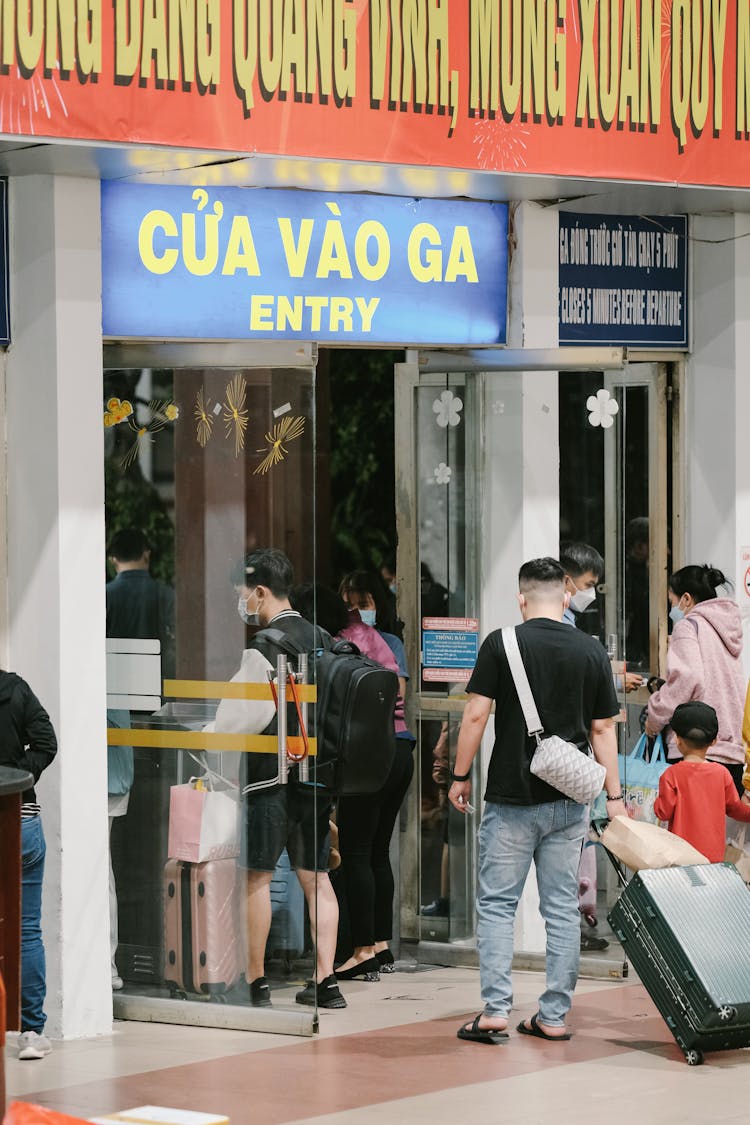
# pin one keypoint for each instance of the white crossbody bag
(561, 764)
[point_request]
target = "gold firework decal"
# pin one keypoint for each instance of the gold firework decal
(235, 414)
(284, 431)
(141, 435)
(204, 423)
(163, 412)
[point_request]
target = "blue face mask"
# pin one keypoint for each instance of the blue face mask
(676, 614)
(368, 616)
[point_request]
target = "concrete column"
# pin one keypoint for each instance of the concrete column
(718, 403)
(56, 553)
(522, 461)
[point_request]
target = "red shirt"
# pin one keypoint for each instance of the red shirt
(693, 798)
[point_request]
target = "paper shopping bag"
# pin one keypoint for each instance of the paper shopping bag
(639, 845)
(203, 823)
(738, 847)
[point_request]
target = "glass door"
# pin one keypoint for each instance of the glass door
(614, 489)
(210, 461)
(438, 449)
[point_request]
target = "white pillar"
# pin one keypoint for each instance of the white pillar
(521, 514)
(56, 557)
(718, 403)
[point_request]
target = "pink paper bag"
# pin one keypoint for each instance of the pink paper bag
(204, 823)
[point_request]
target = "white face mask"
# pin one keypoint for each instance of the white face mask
(248, 618)
(582, 599)
(368, 616)
(676, 614)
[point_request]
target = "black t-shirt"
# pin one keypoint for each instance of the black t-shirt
(571, 681)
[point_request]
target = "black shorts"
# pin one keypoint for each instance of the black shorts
(289, 816)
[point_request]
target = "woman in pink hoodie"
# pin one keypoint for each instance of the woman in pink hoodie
(704, 662)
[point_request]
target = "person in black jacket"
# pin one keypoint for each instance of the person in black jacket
(292, 816)
(27, 742)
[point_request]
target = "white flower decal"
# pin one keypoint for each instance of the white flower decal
(447, 408)
(602, 409)
(442, 473)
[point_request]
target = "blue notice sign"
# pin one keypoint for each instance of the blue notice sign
(623, 280)
(233, 263)
(449, 650)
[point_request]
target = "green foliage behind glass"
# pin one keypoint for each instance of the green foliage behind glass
(363, 520)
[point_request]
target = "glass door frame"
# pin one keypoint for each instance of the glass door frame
(652, 376)
(246, 355)
(420, 368)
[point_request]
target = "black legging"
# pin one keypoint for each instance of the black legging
(365, 830)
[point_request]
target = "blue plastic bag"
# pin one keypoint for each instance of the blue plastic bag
(640, 779)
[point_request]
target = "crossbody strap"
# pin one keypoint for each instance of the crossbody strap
(521, 680)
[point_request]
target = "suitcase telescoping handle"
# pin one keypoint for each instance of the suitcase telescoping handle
(619, 869)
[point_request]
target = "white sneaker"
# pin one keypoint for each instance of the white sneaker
(32, 1045)
(117, 983)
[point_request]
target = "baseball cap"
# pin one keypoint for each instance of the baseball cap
(696, 721)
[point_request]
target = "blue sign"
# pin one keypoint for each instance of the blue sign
(4, 266)
(449, 649)
(234, 263)
(623, 280)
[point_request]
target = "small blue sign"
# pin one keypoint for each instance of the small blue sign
(234, 263)
(623, 280)
(4, 266)
(449, 649)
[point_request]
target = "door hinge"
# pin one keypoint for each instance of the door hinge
(670, 392)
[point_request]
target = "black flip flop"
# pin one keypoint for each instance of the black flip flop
(537, 1031)
(477, 1034)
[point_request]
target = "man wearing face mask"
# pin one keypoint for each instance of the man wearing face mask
(584, 567)
(278, 816)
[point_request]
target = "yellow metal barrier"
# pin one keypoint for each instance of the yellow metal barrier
(218, 689)
(205, 740)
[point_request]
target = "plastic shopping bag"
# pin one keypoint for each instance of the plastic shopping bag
(640, 779)
(204, 821)
(23, 1113)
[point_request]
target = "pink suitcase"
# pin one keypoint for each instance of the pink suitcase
(202, 936)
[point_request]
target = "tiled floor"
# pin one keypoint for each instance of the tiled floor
(393, 1056)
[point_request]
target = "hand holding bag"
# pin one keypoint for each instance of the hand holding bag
(640, 845)
(561, 764)
(204, 821)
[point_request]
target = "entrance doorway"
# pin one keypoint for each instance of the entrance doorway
(615, 440)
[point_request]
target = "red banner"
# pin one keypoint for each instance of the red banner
(650, 90)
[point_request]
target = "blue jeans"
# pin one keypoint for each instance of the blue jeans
(509, 838)
(33, 969)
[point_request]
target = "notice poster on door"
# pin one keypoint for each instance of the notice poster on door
(449, 648)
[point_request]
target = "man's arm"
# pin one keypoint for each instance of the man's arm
(476, 714)
(604, 744)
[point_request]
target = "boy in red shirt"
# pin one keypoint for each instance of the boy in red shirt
(695, 794)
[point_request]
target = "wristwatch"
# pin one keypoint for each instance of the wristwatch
(460, 776)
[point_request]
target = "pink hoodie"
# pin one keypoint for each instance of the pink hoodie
(704, 662)
(371, 644)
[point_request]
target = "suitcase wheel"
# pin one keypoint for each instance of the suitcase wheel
(694, 1057)
(726, 1013)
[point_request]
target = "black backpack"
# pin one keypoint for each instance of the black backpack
(353, 716)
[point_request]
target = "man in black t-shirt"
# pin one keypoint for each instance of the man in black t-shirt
(294, 816)
(525, 818)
